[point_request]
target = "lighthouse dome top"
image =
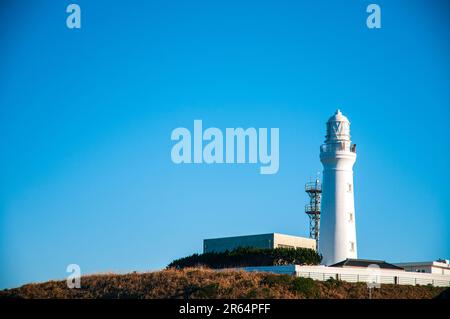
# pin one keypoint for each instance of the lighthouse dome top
(338, 128)
(338, 117)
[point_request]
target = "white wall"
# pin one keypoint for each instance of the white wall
(383, 276)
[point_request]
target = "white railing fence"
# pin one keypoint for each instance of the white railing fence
(404, 279)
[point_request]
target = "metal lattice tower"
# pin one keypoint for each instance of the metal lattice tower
(314, 191)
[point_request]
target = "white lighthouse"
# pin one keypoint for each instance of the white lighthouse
(338, 231)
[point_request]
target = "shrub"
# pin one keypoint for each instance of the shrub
(208, 291)
(333, 283)
(277, 280)
(247, 256)
(306, 286)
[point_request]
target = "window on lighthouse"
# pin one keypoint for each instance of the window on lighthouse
(349, 187)
(352, 246)
(350, 217)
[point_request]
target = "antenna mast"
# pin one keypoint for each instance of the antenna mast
(314, 191)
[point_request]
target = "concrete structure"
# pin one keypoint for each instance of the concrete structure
(337, 240)
(363, 274)
(439, 267)
(272, 240)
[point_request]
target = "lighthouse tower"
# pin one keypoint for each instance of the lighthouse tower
(338, 154)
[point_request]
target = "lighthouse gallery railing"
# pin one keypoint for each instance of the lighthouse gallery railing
(338, 147)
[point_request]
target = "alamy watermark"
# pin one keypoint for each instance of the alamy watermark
(73, 20)
(374, 19)
(373, 279)
(236, 146)
(74, 279)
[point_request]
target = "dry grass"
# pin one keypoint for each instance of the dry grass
(205, 283)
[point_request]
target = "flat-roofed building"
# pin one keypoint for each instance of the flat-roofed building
(439, 267)
(272, 240)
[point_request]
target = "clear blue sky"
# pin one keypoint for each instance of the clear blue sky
(86, 117)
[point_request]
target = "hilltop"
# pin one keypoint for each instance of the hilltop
(206, 283)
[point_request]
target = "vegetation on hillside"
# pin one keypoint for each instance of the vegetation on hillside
(247, 256)
(207, 283)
